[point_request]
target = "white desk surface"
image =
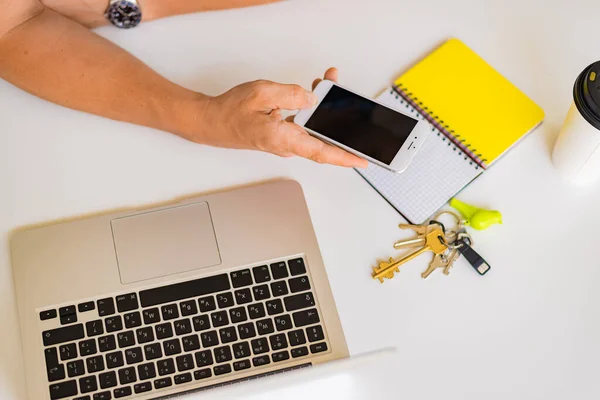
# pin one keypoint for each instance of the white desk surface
(527, 330)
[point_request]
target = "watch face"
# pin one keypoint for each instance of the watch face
(124, 14)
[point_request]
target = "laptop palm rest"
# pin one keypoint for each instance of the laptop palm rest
(165, 242)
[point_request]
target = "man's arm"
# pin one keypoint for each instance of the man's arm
(57, 59)
(90, 13)
(160, 8)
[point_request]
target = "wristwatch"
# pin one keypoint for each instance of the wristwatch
(124, 14)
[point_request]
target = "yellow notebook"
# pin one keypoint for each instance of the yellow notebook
(476, 116)
(471, 100)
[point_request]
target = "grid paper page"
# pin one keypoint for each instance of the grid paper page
(436, 174)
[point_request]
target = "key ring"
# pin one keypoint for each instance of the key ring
(434, 222)
(461, 236)
(460, 226)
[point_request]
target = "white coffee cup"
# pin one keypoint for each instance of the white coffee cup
(576, 153)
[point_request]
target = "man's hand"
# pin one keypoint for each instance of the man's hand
(249, 117)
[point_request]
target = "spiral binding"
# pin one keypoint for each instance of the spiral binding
(443, 130)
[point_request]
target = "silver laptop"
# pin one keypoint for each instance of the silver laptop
(175, 298)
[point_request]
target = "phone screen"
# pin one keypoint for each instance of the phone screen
(361, 124)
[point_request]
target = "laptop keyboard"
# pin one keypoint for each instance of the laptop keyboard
(182, 333)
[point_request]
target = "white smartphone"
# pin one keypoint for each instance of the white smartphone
(364, 127)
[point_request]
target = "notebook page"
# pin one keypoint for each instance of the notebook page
(437, 173)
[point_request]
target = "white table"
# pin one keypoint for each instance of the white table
(527, 330)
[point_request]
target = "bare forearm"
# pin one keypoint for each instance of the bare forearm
(90, 13)
(59, 60)
(160, 8)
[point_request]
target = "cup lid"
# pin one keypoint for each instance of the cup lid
(591, 87)
(587, 94)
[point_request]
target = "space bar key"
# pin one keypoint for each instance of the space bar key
(184, 290)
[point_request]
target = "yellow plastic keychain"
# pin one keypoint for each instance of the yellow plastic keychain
(477, 218)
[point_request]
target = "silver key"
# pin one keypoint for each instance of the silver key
(455, 253)
(451, 259)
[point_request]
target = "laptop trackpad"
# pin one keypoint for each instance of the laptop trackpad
(160, 243)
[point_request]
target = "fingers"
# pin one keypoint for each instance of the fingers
(331, 75)
(304, 145)
(290, 97)
(315, 83)
(287, 97)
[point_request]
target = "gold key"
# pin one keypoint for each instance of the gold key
(421, 230)
(410, 243)
(438, 261)
(434, 241)
(443, 260)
